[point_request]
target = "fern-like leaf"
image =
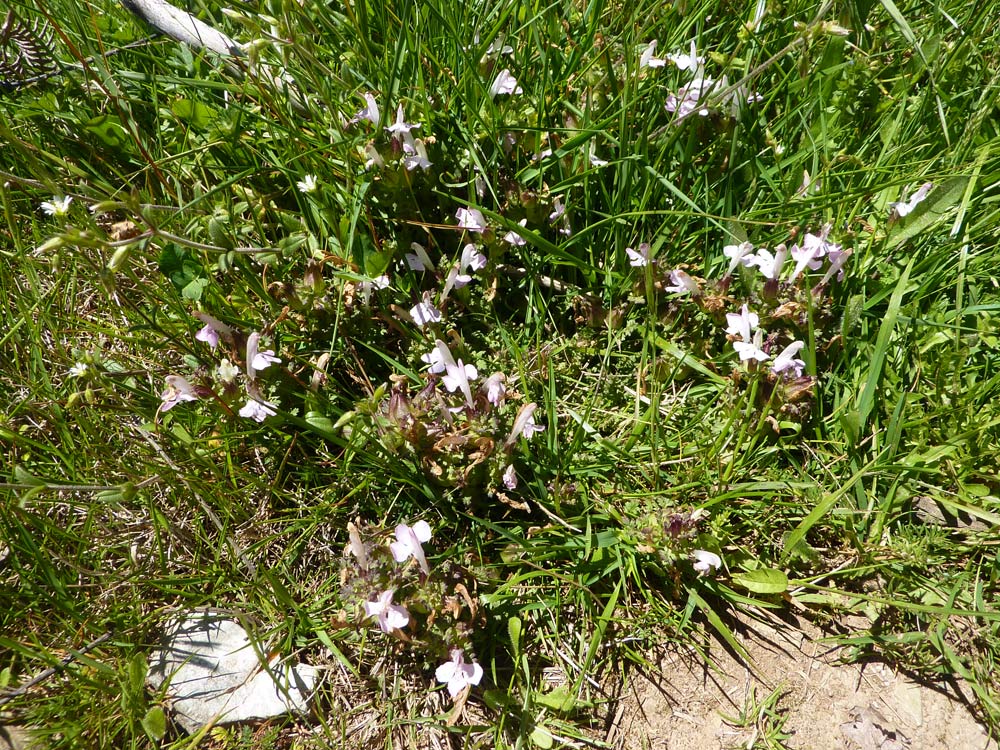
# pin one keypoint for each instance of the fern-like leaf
(25, 52)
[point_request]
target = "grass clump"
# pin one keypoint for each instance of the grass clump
(644, 333)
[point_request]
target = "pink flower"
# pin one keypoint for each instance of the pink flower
(705, 561)
(178, 389)
(419, 260)
(513, 238)
(258, 360)
(743, 323)
(457, 674)
(646, 59)
(510, 478)
(401, 127)
(390, 616)
(414, 153)
(408, 544)
(769, 263)
(370, 111)
(681, 283)
(495, 389)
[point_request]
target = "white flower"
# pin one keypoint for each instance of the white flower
(257, 410)
(690, 61)
(638, 258)
(258, 360)
(558, 209)
(471, 219)
(497, 48)
(504, 83)
(805, 255)
(58, 206)
(457, 674)
(705, 561)
(596, 161)
(689, 98)
(743, 323)
(786, 360)
(390, 616)
(769, 263)
(837, 260)
(227, 371)
(510, 478)
(751, 349)
(78, 370)
(436, 357)
(738, 255)
(424, 312)
(681, 283)
(372, 157)
(408, 544)
(646, 59)
(419, 260)
(514, 238)
(307, 184)
(902, 208)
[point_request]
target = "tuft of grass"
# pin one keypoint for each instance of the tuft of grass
(865, 485)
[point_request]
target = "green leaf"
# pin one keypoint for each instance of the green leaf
(319, 421)
(109, 129)
(514, 632)
(155, 723)
(762, 580)
(561, 699)
(196, 114)
(541, 738)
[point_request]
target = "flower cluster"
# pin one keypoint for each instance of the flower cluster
(220, 381)
(701, 94)
(430, 610)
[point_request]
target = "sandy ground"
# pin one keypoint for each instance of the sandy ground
(821, 703)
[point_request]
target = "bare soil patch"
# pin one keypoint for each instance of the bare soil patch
(824, 703)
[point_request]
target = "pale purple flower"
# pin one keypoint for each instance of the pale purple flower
(510, 478)
(472, 258)
(646, 59)
(902, 208)
(390, 616)
(414, 153)
(217, 326)
(178, 389)
(504, 83)
(356, 546)
(367, 286)
(681, 283)
(705, 562)
(837, 260)
(471, 219)
(424, 312)
(58, 206)
(514, 238)
(691, 61)
(372, 157)
(524, 425)
(457, 674)
(742, 324)
(408, 544)
(751, 349)
(689, 98)
(738, 255)
(401, 127)
(497, 48)
(495, 388)
(806, 256)
(370, 111)
(786, 360)
(638, 258)
(209, 335)
(258, 360)
(457, 373)
(558, 209)
(257, 409)
(419, 260)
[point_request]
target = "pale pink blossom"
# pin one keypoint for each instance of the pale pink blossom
(743, 323)
(389, 616)
(457, 674)
(902, 208)
(370, 111)
(681, 283)
(510, 478)
(424, 312)
(769, 263)
(257, 410)
(471, 219)
(419, 260)
(401, 127)
(504, 83)
(524, 425)
(178, 389)
(640, 257)
(738, 255)
(705, 562)
(647, 60)
(514, 238)
(691, 61)
(408, 544)
(752, 349)
(495, 388)
(258, 360)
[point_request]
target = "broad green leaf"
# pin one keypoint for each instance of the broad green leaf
(109, 129)
(514, 632)
(196, 114)
(155, 723)
(541, 738)
(939, 201)
(762, 580)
